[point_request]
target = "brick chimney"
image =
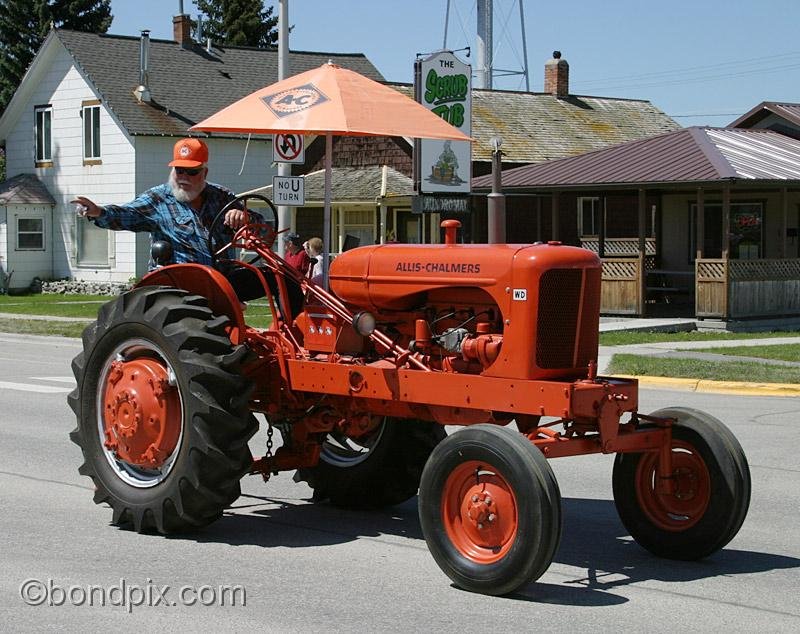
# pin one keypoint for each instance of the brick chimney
(556, 76)
(182, 30)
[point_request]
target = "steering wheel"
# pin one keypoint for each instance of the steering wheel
(235, 203)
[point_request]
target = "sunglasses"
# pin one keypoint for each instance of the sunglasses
(191, 171)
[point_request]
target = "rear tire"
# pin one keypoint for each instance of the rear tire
(490, 509)
(378, 470)
(162, 411)
(711, 496)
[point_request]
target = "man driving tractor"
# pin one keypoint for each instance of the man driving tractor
(181, 212)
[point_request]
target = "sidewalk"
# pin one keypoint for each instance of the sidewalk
(683, 349)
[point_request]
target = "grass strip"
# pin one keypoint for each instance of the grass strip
(42, 327)
(781, 352)
(749, 371)
(55, 305)
(623, 337)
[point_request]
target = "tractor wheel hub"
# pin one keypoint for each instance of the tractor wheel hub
(141, 412)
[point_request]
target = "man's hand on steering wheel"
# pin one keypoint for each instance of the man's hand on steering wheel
(236, 218)
(235, 215)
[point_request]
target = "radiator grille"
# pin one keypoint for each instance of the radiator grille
(590, 319)
(559, 303)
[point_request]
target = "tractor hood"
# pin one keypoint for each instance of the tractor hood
(398, 276)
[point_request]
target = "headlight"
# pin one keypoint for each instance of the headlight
(364, 323)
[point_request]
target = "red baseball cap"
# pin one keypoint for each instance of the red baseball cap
(189, 153)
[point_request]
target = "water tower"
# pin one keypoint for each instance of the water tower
(501, 49)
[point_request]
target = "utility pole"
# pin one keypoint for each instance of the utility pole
(284, 169)
(497, 200)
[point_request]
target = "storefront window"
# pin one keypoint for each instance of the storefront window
(746, 237)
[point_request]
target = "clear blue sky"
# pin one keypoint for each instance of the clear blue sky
(703, 62)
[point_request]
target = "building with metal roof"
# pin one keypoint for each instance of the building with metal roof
(711, 212)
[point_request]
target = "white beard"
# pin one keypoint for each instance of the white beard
(183, 190)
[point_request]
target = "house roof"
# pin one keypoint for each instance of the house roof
(789, 111)
(351, 185)
(538, 127)
(187, 84)
(685, 156)
(25, 189)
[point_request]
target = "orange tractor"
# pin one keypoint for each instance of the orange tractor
(498, 339)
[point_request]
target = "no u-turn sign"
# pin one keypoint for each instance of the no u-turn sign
(288, 190)
(288, 148)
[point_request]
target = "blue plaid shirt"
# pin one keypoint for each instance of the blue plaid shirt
(166, 218)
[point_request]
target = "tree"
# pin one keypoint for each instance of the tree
(92, 16)
(239, 22)
(24, 24)
(19, 40)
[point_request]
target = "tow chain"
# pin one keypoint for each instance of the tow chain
(267, 474)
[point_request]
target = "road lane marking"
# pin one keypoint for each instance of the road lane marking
(30, 387)
(55, 379)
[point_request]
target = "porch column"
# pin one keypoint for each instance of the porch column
(383, 210)
(782, 247)
(601, 231)
(726, 222)
(642, 222)
(538, 219)
(700, 223)
(642, 251)
(554, 213)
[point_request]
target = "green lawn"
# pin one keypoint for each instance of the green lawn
(42, 327)
(750, 371)
(623, 337)
(783, 352)
(257, 314)
(57, 305)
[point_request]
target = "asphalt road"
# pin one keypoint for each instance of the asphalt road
(313, 568)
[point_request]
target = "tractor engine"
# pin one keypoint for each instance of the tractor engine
(501, 310)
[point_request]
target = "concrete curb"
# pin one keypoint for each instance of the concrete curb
(717, 387)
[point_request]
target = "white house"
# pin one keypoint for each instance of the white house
(97, 115)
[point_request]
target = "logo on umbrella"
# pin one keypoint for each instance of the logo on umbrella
(293, 100)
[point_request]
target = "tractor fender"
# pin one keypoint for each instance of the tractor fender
(208, 282)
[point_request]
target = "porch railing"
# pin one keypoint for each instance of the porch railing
(732, 289)
(621, 287)
(620, 247)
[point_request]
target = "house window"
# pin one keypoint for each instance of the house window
(746, 237)
(92, 245)
(91, 132)
(589, 217)
(30, 234)
(360, 224)
(44, 137)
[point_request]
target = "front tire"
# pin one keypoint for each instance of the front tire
(490, 509)
(711, 489)
(162, 411)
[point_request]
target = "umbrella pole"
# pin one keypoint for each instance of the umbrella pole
(326, 222)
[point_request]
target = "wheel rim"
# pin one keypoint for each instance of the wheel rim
(342, 451)
(691, 485)
(139, 413)
(479, 512)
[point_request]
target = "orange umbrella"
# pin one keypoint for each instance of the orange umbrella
(330, 100)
